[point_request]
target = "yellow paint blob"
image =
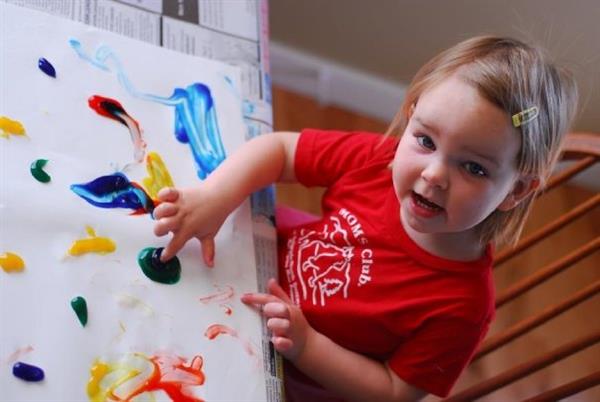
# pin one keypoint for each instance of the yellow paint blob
(158, 175)
(117, 374)
(93, 244)
(11, 262)
(9, 126)
(97, 373)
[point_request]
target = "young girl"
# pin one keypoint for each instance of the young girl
(386, 297)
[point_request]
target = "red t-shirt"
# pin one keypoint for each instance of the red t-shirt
(361, 280)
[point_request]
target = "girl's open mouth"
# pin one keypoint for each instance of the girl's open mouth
(424, 207)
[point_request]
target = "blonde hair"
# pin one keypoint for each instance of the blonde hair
(514, 76)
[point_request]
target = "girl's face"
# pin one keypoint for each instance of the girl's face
(456, 161)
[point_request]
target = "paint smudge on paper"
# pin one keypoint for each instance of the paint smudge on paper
(226, 309)
(214, 330)
(79, 305)
(92, 244)
(112, 109)
(46, 67)
(223, 294)
(163, 272)
(219, 329)
(158, 175)
(11, 262)
(115, 191)
(17, 354)
(27, 372)
(136, 375)
(10, 127)
(128, 301)
(37, 170)
(195, 114)
(122, 331)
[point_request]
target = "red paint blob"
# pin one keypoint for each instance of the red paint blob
(169, 381)
(218, 329)
(111, 108)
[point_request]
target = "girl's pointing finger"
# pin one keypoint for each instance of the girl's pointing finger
(256, 298)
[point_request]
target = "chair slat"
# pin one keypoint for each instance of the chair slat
(565, 175)
(547, 272)
(566, 390)
(530, 323)
(548, 229)
(523, 370)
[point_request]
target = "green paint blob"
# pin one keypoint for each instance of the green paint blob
(80, 307)
(164, 272)
(37, 170)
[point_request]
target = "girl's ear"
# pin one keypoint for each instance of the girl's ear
(522, 188)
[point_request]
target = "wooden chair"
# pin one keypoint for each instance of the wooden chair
(582, 150)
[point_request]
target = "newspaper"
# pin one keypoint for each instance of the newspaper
(226, 30)
(232, 31)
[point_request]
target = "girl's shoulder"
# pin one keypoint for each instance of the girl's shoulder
(365, 143)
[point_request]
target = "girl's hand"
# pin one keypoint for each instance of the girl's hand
(288, 326)
(200, 211)
(189, 212)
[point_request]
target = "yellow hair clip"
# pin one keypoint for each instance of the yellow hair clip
(525, 116)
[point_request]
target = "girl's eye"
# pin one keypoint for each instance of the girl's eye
(426, 142)
(475, 169)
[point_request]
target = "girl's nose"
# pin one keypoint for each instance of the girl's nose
(436, 174)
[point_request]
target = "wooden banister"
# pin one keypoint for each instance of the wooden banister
(523, 370)
(568, 173)
(548, 229)
(527, 325)
(547, 272)
(580, 144)
(566, 390)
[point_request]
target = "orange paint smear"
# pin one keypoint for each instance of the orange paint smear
(169, 374)
(167, 381)
(218, 329)
(16, 355)
(222, 294)
(215, 330)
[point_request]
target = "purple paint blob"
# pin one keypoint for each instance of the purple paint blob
(46, 67)
(28, 372)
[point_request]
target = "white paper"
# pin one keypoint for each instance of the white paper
(192, 39)
(128, 313)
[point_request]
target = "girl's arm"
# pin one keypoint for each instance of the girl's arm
(201, 210)
(351, 375)
(347, 374)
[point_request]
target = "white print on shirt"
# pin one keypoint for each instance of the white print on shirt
(318, 263)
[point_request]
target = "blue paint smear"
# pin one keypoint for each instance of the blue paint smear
(46, 67)
(195, 115)
(28, 372)
(115, 191)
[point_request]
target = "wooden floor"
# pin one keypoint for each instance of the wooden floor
(293, 112)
